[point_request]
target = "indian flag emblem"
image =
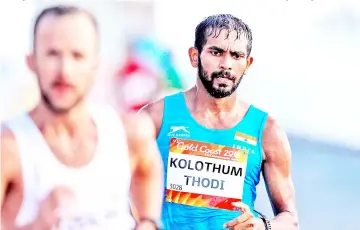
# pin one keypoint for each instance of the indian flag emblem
(246, 138)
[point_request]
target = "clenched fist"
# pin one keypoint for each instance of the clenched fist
(58, 205)
(246, 221)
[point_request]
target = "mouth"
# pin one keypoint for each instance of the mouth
(223, 82)
(228, 77)
(62, 87)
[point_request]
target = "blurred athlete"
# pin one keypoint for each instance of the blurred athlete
(216, 146)
(68, 164)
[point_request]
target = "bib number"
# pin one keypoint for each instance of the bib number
(205, 175)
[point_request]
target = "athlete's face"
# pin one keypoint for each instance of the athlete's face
(222, 63)
(65, 59)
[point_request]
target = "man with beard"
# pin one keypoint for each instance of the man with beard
(67, 164)
(215, 146)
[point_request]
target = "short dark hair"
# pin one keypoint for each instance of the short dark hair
(61, 10)
(214, 24)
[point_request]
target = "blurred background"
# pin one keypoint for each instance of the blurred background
(306, 74)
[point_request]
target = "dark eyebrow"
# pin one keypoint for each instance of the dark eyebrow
(222, 50)
(216, 48)
(239, 53)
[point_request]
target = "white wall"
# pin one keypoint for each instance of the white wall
(305, 74)
(15, 81)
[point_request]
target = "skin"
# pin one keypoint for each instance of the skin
(65, 61)
(223, 113)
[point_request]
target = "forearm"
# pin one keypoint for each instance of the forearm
(285, 221)
(26, 227)
(147, 192)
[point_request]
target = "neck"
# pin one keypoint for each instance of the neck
(203, 101)
(70, 122)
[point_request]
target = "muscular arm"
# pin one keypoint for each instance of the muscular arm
(156, 111)
(6, 162)
(147, 180)
(10, 182)
(277, 164)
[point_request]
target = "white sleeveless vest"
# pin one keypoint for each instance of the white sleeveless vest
(101, 187)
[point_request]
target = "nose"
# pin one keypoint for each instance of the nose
(226, 63)
(65, 66)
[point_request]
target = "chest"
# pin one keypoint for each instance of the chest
(218, 122)
(188, 137)
(238, 136)
(73, 151)
(212, 164)
(95, 166)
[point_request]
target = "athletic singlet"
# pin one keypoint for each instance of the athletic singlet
(101, 187)
(207, 169)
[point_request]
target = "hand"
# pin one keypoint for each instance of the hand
(58, 205)
(246, 221)
(145, 225)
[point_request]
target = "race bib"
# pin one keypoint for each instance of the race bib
(205, 175)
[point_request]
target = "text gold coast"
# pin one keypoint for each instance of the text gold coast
(208, 151)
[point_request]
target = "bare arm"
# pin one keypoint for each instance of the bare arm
(147, 180)
(10, 179)
(277, 164)
(7, 171)
(155, 110)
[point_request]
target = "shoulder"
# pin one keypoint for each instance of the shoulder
(138, 127)
(154, 108)
(155, 111)
(275, 141)
(257, 110)
(10, 159)
(141, 137)
(273, 132)
(8, 141)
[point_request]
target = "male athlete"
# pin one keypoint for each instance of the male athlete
(215, 146)
(68, 164)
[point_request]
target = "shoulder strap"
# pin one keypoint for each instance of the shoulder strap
(175, 108)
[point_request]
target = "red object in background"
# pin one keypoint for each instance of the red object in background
(130, 67)
(137, 107)
(132, 79)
